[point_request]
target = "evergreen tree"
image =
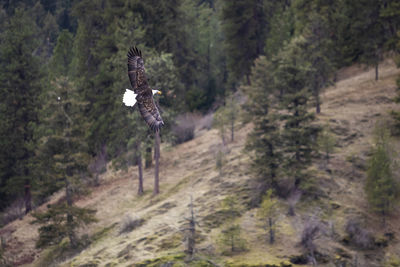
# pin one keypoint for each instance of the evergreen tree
(244, 24)
(326, 142)
(298, 133)
(205, 39)
(220, 121)
(381, 186)
(62, 55)
(264, 141)
(281, 29)
(318, 53)
(268, 212)
(65, 149)
(20, 79)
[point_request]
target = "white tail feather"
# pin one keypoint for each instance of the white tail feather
(129, 98)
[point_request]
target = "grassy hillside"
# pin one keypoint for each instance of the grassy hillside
(351, 107)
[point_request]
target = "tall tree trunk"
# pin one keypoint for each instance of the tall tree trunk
(271, 231)
(140, 169)
(27, 197)
(248, 79)
(318, 102)
(148, 159)
(157, 158)
(70, 219)
(232, 128)
(192, 232)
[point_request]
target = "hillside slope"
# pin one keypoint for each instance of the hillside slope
(352, 107)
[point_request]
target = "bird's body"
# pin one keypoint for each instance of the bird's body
(129, 98)
(142, 94)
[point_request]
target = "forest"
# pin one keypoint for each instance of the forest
(221, 65)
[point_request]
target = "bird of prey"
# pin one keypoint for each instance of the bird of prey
(142, 94)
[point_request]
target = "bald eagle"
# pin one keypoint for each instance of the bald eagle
(142, 94)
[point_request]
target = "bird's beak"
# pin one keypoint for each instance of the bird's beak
(159, 92)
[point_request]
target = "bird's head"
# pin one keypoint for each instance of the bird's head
(156, 92)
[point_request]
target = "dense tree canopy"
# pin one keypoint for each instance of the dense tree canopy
(282, 54)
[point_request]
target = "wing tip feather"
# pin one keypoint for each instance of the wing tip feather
(134, 51)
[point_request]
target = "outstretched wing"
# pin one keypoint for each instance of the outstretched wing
(136, 72)
(149, 112)
(145, 101)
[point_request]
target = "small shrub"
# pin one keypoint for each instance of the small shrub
(311, 231)
(231, 240)
(183, 130)
(129, 224)
(205, 122)
(358, 235)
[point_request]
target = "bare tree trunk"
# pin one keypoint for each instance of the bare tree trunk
(248, 79)
(27, 197)
(70, 220)
(271, 231)
(140, 169)
(157, 158)
(232, 128)
(318, 102)
(148, 159)
(191, 232)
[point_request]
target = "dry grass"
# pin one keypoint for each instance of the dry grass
(352, 108)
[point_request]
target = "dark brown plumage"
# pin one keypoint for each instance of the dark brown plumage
(140, 86)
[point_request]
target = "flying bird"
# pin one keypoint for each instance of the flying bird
(142, 94)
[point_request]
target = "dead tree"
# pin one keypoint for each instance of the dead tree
(190, 232)
(312, 230)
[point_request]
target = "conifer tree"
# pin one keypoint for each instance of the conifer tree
(244, 24)
(326, 142)
(62, 55)
(318, 53)
(298, 133)
(65, 149)
(264, 141)
(20, 86)
(381, 186)
(268, 213)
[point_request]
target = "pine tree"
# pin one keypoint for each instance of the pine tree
(62, 55)
(20, 79)
(268, 213)
(298, 133)
(396, 114)
(65, 149)
(264, 141)
(318, 53)
(231, 239)
(220, 121)
(244, 24)
(326, 142)
(281, 29)
(381, 186)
